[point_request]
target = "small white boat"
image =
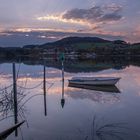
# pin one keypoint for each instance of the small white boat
(94, 80)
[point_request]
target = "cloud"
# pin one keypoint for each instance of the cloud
(95, 14)
(85, 14)
(92, 18)
(111, 17)
(59, 18)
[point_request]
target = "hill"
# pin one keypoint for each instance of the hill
(75, 41)
(81, 44)
(83, 47)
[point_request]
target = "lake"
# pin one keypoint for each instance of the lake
(53, 110)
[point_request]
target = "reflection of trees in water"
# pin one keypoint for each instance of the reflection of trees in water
(87, 65)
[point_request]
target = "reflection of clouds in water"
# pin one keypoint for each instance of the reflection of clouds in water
(79, 98)
(3, 80)
(6, 76)
(135, 74)
(53, 76)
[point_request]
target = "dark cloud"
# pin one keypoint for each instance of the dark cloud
(111, 17)
(95, 14)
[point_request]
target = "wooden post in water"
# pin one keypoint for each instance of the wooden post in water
(15, 97)
(44, 88)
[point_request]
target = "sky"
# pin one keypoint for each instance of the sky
(25, 22)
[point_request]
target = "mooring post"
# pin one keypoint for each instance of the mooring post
(15, 97)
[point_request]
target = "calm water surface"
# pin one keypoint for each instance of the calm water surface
(67, 112)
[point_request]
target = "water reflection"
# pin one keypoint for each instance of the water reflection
(85, 65)
(100, 94)
(75, 113)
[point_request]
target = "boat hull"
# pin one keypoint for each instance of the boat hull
(95, 81)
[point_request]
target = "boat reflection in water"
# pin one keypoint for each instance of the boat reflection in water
(100, 94)
(112, 88)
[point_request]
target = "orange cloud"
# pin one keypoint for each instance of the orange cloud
(113, 33)
(28, 29)
(59, 18)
